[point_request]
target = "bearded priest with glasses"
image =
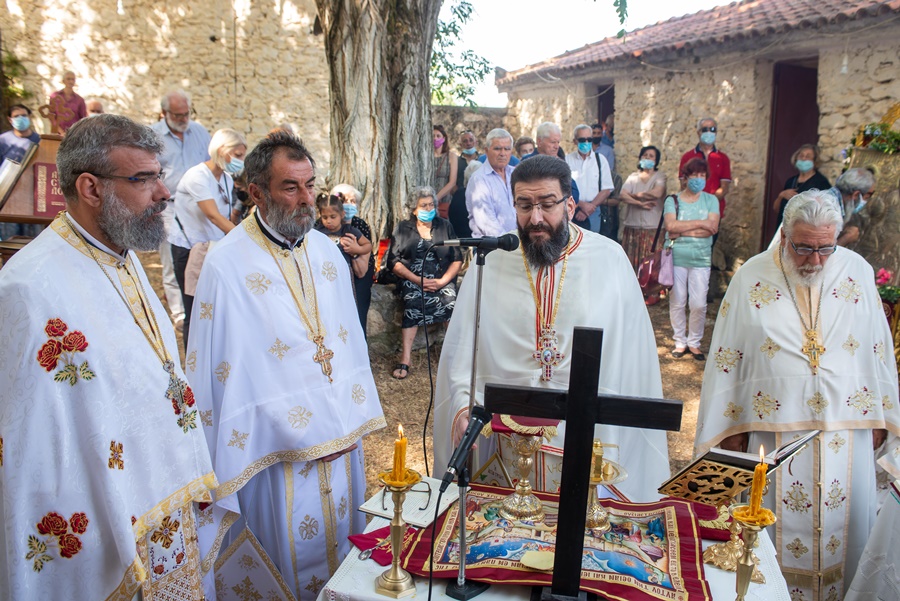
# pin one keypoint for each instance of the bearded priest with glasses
(534, 297)
(801, 344)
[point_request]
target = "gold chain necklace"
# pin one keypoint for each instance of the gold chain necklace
(811, 348)
(547, 352)
(323, 354)
(177, 388)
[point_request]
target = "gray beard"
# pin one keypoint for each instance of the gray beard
(544, 253)
(293, 224)
(145, 231)
(798, 277)
(177, 126)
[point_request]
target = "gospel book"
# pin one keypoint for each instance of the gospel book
(720, 475)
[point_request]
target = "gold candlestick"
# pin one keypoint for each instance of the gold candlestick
(725, 556)
(395, 582)
(750, 532)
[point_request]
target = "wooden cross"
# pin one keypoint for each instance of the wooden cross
(812, 350)
(581, 408)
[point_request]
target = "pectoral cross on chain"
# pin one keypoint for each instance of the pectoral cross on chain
(323, 356)
(813, 350)
(548, 354)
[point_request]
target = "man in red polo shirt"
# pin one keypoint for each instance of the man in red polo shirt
(719, 180)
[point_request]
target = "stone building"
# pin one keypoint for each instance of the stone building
(774, 73)
(248, 65)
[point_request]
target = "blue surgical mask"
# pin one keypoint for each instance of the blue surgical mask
(647, 164)
(860, 204)
(468, 151)
(584, 147)
(349, 211)
(696, 184)
(234, 166)
(426, 216)
(21, 123)
(804, 166)
(708, 138)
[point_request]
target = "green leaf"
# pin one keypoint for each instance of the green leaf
(69, 374)
(85, 372)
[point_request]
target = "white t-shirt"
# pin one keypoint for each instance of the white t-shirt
(199, 184)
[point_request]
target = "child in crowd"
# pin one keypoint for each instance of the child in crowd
(355, 247)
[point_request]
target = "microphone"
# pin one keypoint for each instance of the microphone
(505, 242)
(480, 416)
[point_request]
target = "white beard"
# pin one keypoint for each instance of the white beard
(808, 275)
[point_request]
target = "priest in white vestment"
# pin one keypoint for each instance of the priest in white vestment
(280, 369)
(800, 344)
(533, 298)
(101, 453)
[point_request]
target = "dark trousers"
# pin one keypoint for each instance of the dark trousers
(179, 261)
(363, 288)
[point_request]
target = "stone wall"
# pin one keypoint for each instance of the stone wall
(870, 86)
(566, 105)
(662, 108)
(248, 65)
(457, 119)
(664, 111)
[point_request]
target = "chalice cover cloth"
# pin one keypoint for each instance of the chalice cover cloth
(651, 552)
(519, 424)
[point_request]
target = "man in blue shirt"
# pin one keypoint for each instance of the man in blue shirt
(186, 145)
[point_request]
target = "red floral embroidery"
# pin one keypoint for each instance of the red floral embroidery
(189, 397)
(74, 341)
(69, 545)
(79, 523)
(63, 346)
(54, 524)
(56, 327)
(49, 354)
(175, 406)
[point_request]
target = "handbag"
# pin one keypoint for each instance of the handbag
(650, 276)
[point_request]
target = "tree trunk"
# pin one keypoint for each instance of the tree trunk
(379, 52)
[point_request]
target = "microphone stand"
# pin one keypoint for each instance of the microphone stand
(462, 590)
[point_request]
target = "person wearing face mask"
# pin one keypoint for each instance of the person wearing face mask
(350, 198)
(643, 192)
(806, 160)
(203, 204)
(468, 155)
(427, 279)
(15, 143)
(446, 165)
(592, 174)
(691, 220)
(719, 180)
(603, 144)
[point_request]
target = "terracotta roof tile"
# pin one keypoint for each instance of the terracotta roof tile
(732, 22)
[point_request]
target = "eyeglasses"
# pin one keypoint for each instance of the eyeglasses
(583, 140)
(546, 206)
(868, 195)
(145, 181)
(805, 251)
(179, 115)
(706, 129)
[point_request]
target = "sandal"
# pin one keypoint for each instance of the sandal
(400, 367)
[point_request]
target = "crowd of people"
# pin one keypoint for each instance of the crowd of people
(256, 444)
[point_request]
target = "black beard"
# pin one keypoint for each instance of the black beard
(124, 229)
(544, 253)
(294, 224)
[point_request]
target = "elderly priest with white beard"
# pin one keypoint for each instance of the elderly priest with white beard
(562, 277)
(801, 344)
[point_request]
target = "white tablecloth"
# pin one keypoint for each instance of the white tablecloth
(355, 580)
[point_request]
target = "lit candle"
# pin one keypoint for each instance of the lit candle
(759, 483)
(399, 457)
